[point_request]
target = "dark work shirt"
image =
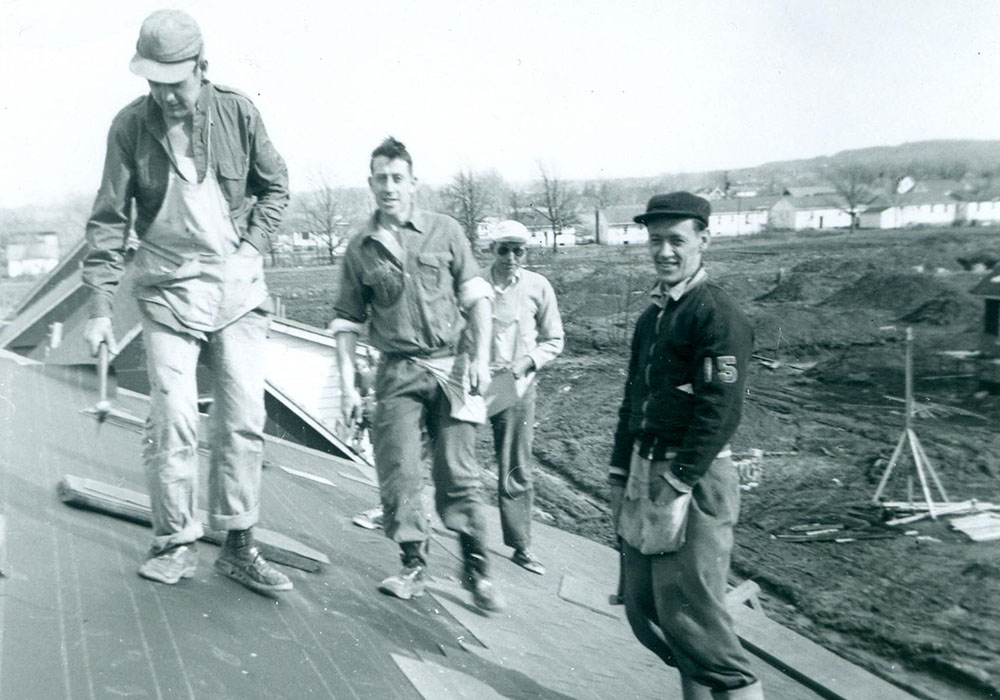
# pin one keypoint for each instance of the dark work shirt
(413, 288)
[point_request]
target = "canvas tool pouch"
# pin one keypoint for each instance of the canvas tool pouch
(654, 514)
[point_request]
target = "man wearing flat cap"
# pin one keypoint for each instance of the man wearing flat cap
(190, 167)
(527, 334)
(674, 488)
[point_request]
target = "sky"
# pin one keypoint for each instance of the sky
(588, 89)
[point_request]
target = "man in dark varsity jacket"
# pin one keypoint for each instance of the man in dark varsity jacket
(674, 488)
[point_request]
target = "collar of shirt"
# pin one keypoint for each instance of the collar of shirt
(498, 284)
(158, 126)
(417, 222)
(660, 295)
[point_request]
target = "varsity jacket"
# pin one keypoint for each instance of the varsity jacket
(686, 379)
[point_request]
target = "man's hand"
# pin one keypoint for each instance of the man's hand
(350, 406)
(479, 376)
(99, 330)
(522, 366)
(617, 497)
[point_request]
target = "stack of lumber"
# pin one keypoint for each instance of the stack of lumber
(982, 527)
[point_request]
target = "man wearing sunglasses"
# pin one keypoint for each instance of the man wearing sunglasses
(527, 334)
(191, 167)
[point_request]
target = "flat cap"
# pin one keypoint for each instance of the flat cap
(676, 205)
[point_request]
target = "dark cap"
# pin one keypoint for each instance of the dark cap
(168, 47)
(676, 205)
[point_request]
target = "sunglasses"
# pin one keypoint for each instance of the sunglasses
(517, 250)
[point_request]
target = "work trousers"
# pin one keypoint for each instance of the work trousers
(513, 434)
(676, 602)
(410, 399)
(234, 356)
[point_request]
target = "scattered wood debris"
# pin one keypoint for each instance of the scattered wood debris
(850, 526)
(983, 527)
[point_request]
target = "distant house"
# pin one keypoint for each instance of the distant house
(542, 230)
(616, 227)
(926, 208)
(879, 215)
(740, 216)
(979, 208)
(31, 253)
(818, 212)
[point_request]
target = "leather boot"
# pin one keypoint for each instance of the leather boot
(694, 691)
(754, 691)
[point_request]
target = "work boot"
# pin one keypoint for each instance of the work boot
(171, 565)
(241, 560)
(412, 578)
(474, 575)
(754, 691)
(524, 558)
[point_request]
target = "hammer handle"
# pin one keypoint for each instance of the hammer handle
(102, 371)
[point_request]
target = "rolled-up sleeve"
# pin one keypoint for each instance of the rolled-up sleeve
(470, 285)
(267, 180)
(351, 306)
(550, 329)
(108, 226)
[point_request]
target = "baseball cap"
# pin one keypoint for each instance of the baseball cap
(510, 232)
(169, 45)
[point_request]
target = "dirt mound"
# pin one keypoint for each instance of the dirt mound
(897, 292)
(939, 311)
(790, 288)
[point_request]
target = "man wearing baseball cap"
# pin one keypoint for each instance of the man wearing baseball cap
(527, 334)
(191, 167)
(674, 489)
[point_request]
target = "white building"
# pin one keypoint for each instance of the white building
(616, 227)
(30, 254)
(815, 212)
(740, 216)
(980, 208)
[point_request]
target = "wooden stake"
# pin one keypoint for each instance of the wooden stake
(921, 463)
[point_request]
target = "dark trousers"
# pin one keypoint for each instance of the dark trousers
(513, 435)
(409, 399)
(676, 603)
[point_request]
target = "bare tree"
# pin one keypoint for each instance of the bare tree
(321, 215)
(854, 183)
(469, 200)
(556, 203)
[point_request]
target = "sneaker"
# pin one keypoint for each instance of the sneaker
(171, 565)
(525, 559)
(484, 593)
(408, 583)
(370, 519)
(246, 565)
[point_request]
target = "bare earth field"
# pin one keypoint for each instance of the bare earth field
(829, 312)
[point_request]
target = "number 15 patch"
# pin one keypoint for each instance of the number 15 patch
(724, 366)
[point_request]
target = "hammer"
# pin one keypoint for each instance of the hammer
(103, 407)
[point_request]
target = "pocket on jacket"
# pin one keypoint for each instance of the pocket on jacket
(232, 178)
(431, 270)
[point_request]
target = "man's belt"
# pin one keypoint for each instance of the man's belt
(446, 351)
